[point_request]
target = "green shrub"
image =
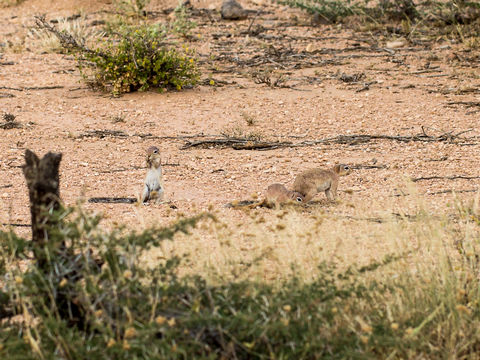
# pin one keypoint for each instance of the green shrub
(329, 10)
(182, 25)
(136, 58)
(139, 61)
(132, 7)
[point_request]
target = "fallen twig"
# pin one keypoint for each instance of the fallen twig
(455, 177)
(32, 88)
(119, 170)
(381, 220)
(366, 86)
(113, 200)
(361, 166)
(424, 71)
(449, 191)
(466, 103)
(103, 133)
(132, 168)
(251, 22)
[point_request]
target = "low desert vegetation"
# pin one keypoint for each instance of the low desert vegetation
(97, 297)
(181, 23)
(42, 41)
(135, 58)
(454, 19)
(135, 8)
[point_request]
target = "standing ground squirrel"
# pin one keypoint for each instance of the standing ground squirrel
(153, 188)
(277, 193)
(313, 181)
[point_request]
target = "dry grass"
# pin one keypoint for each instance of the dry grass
(274, 244)
(41, 41)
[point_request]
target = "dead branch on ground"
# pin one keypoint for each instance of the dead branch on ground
(450, 191)
(455, 177)
(249, 144)
(10, 122)
(52, 87)
(113, 200)
(468, 104)
(103, 133)
(365, 166)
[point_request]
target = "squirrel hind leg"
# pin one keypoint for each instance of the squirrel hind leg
(145, 195)
(160, 196)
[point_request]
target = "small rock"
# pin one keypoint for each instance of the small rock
(310, 48)
(232, 10)
(395, 44)
(318, 19)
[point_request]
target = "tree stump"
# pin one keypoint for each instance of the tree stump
(43, 188)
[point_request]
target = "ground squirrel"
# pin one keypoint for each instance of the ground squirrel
(277, 193)
(313, 181)
(153, 188)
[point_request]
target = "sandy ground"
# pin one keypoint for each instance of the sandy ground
(410, 88)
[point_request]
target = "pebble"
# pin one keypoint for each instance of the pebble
(232, 10)
(395, 44)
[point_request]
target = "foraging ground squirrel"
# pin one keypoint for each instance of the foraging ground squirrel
(153, 188)
(277, 193)
(313, 181)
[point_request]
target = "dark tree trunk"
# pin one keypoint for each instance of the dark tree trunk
(43, 188)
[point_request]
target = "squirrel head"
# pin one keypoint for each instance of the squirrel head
(297, 197)
(342, 169)
(153, 157)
